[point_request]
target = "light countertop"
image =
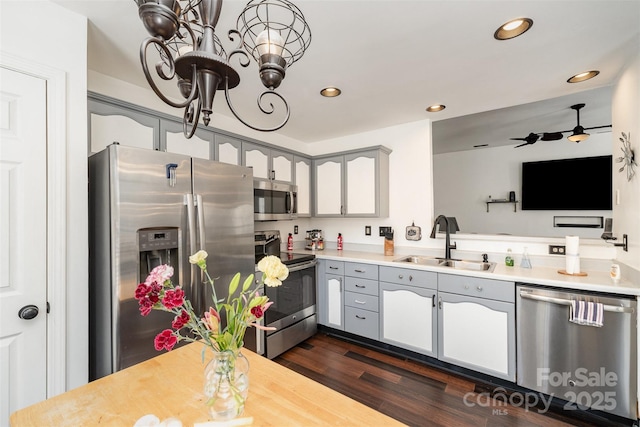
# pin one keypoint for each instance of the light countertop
(595, 280)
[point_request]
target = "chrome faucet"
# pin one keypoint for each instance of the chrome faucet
(447, 242)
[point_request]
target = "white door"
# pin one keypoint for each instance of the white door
(23, 241)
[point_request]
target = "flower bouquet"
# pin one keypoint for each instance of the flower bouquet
(226, 376)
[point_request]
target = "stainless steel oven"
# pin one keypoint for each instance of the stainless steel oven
(274, 201)
(293, 312)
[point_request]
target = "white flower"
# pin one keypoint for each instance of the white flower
(274, 270)
(199, 258)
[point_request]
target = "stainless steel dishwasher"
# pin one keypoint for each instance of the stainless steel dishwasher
(587, 366)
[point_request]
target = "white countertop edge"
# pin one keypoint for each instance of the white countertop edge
(596, 281)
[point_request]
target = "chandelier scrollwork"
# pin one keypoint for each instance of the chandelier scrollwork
(272, 32)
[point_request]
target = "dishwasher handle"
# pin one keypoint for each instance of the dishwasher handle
(562, 301)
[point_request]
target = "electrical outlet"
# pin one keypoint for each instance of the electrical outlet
(367, 230)
(384, 230)
(295, 229)
(557, 249)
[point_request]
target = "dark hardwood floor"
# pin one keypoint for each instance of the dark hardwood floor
(415, 393)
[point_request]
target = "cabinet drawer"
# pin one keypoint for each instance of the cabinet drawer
(407, 276)
(361, 322)
(334, 267)
(498, 290)
(365, 302)
(366, 271)
(363, 286)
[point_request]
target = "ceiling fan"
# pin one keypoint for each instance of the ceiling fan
(578, 133)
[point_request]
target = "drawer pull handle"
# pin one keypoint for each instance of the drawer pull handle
(479, 288)
(360, 302)
(360, 271)
(410, 278)
(361, 317)
(333, 268)
(361, 286)
(400, 276)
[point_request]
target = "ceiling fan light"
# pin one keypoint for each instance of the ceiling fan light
(513, 28)
(578, 135)
(581, 77)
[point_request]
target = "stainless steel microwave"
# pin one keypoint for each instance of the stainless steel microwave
(274, 201)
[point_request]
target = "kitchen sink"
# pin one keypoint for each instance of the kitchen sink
(457, 264)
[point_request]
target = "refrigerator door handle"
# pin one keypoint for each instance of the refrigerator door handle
(191, 225)
(201, 230)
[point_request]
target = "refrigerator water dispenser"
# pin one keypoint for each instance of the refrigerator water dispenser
(157, 246)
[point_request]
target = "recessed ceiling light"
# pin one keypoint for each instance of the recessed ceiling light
(513, 28)
(435, 108)
(583, 76)
(330, 92)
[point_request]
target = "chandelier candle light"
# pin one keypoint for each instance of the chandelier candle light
(273, 32)
(226, 376)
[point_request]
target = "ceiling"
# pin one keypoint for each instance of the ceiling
(393, 58)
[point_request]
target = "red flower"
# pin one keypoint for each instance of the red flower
(142, 290)
(257, 311)
(180, 320)
(165, 339)
(146, 305)
(173, 298)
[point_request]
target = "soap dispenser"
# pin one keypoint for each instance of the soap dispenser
(526, 262)
(508, 260)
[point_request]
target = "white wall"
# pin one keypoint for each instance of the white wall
(626, 118)
(465, 180)
(57, 38)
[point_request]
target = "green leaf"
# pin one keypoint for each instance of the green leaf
(247, 283)
(234, 284)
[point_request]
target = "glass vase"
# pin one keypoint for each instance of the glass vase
(226, 384)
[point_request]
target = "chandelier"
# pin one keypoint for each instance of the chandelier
(272, 32)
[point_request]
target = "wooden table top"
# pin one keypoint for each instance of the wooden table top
(171, 385)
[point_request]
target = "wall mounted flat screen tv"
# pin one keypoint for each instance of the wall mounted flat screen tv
(568, 184)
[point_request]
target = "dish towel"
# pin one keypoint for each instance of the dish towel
(586, 313)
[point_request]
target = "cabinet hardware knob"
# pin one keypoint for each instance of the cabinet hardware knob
(479, 288)
(466, 286)
(410, 278)
(28, 312)
(400, 276)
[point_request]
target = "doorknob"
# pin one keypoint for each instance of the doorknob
(28, 312)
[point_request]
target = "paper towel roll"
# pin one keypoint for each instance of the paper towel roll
(572, 245)
(572, 264)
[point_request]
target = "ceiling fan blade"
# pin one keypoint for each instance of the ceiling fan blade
(521, 145)
(519, 139)
(598, 127)
(551, 136)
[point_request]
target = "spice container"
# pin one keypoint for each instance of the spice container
(388, 244)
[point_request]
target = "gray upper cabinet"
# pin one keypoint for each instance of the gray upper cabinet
(109, 122)
(302, 178)
(268, 163)
(227, 149)
(172, 140)
(352, 184)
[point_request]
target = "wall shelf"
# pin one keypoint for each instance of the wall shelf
(515, 203)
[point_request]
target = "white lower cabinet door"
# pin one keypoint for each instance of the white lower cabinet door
(408, 318)
(477, 333)
(335, 301)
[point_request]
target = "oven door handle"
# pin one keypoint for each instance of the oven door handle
(304, 265)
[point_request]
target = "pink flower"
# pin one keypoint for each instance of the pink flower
(212, 320)
(160, 274)
(180, 320)
(165, 339)
(258, 311)
(173, 298)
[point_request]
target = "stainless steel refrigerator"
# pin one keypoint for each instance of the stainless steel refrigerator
(148, 208)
